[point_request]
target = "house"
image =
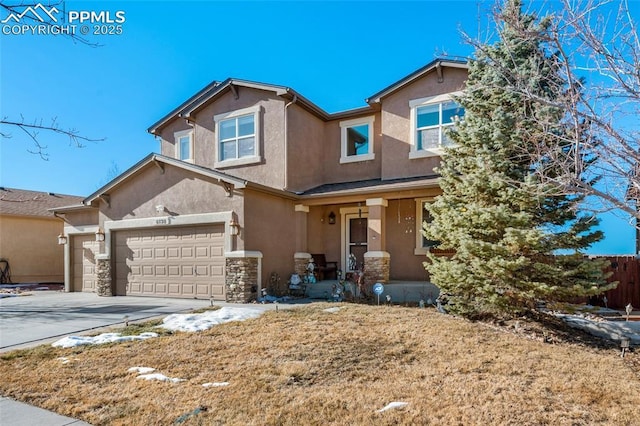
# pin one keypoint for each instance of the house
(253, 178)
(29, 252)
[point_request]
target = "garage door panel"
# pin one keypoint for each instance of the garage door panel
(177, 262)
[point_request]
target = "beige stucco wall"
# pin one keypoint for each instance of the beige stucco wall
(401, 241)
(307, 146)
(168, 140)
(30, 244)
(85, 217)
(396, 125)
(179, 191)
(268, 227)
(270, 171)
(350, 172)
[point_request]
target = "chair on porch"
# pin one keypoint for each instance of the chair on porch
(325, 270)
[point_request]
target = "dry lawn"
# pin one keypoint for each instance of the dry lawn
(310, 367)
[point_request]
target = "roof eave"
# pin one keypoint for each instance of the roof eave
(221, 177)
(377, 97)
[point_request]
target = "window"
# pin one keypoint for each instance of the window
(357, 140)
(422, 215)
(184, 145)
(238, 137)
(430, 117)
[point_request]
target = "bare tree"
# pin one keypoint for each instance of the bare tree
(32, 129)
(597, 52)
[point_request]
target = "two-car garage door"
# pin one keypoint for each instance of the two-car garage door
(170, 262)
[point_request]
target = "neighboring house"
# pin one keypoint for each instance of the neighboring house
(253, 178)
(29, 233)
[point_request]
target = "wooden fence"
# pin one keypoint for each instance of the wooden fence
(625, 270)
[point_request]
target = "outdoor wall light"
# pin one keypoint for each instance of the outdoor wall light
(234, 227)
(99, 235)
(62, 239)
(332, 218)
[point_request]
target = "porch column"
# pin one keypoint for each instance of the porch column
(301, 256)
(243, 275)
(376, 259)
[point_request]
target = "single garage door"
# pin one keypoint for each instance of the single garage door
(172, 262)
(85, 248)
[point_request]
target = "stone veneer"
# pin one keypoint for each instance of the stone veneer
(103, 276)
(242, 278)
(300, 263)
(376, 267)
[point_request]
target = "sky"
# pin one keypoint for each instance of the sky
(335, 53)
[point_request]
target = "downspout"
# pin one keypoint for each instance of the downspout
(286, 142)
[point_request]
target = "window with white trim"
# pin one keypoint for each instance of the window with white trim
(237, 136)
(356, 140)
(430, 117)
(184, 145)
(423, 245)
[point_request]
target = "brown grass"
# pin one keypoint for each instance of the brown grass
(309, 367)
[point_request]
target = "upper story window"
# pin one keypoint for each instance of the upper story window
(237, 134)
(184, 145)
(356, 140)
(430, 117)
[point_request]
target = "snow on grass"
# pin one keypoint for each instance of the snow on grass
(391, 405)
(160, 377)
(208, 319)
(215, 384)
(141, 370)
(73, 341)
(331, 310)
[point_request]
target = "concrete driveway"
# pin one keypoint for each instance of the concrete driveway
(46, 316)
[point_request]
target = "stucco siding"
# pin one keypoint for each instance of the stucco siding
(168, 141)
(396, 124)
(179, 191)
(401, 223)
(270, 170)
(307, 146)
(268, 227)
(31, 247)
(334, 171)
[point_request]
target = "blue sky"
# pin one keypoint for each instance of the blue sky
(334, 53)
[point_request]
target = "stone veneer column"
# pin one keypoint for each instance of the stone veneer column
(376, 267)
(243, 275)
(301, 257)
(301, 260)
(103, 275)
(376, 260)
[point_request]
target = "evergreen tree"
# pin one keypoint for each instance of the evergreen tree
(505, 225)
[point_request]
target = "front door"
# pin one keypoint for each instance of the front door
(356, 241)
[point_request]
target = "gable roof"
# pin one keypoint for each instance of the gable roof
(160, 161)
(436, 65)
(21, 202)
(215, 89)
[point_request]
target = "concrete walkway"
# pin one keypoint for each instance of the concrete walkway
(16, 413)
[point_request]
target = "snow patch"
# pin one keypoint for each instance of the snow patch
(142, 370)
(331, 310)
(73, 341)
(208, 319)
(160, 377)
(215, 384)
(391, 405)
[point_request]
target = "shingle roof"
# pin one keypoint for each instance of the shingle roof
(21, 202)
(371, 185)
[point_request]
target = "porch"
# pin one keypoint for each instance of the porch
(400, 291)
